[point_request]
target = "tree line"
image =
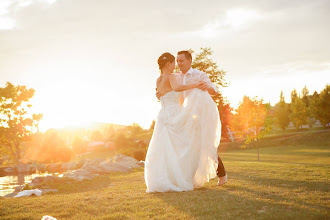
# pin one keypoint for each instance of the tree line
(252, 120)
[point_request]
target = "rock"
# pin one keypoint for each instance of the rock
(126, 161)
(68, 166)
(23, 168)
(92, 167)
(45, 191)
(33, 168)
(41, 167)
(114, 167)
(52, 178)
(37, 180)
(31, 192)
(121, 157)
(10, 195)
(54, 167)
(99, 160)
(9, 169)
(32, 185)
(81, 163)
(79, 175)
(18, 188)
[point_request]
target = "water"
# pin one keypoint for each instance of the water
(9, 183)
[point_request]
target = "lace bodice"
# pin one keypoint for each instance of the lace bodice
(170, 98)
(171, 107)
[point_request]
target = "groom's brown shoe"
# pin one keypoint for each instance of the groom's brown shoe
(222, 180)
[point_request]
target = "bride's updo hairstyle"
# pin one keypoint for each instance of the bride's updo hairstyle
(163, 59)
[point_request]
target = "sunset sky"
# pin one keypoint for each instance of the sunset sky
(96, 60)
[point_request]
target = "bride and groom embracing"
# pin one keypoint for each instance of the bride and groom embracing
(182, 153)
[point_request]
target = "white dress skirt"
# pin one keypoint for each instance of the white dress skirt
(182, 153)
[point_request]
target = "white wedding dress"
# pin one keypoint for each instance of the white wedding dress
(182, 153)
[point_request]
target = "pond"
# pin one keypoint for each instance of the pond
(10, 182)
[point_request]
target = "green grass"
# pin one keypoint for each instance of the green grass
(290, 182)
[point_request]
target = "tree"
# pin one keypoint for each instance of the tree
(322, 109)
(260, 126)
(242, 117)
(79, 145)
(253, 121)
(313, 101)
(305, 97)
(135, 131)
(298, 113)
(204, 63)
(121, 140)
(282, 117)
(294, 95)
(16, 123)
(53, 148)
(110, 132)
(152, 126)
(96, 135)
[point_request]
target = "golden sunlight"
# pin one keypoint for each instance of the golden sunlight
(237, 18)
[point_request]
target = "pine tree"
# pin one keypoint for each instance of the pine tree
(281, 113)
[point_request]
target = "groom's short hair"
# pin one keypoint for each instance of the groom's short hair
(186, 53)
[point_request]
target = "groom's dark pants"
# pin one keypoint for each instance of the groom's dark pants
(221, 169)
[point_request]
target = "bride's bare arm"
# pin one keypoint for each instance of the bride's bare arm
(176, 86)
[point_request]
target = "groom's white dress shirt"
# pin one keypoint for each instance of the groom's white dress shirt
(193, 76)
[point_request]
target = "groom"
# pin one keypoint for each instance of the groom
(189, 75)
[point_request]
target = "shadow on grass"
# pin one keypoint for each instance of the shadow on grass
(286, 184)
(239, 202)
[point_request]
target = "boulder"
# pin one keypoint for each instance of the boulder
(8, 169)
(109, 167)
(33, 168)
(92, 167)
(79, 175)
(127, 161)
(99, 160)
(23, 168)
(41, 167)
(10, 195)
(52, 178)
(68, 166)
(37, 180)
(18, 188)
(54, 167)
(81, 163)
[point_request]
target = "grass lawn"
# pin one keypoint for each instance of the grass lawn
(290, 182)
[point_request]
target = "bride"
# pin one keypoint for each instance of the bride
(182, 153)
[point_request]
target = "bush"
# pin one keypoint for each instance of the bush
(139, 155)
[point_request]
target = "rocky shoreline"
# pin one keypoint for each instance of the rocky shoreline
(84, 169)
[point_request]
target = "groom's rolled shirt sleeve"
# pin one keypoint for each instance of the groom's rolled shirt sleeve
(206, 79)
